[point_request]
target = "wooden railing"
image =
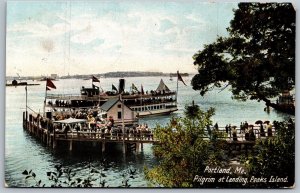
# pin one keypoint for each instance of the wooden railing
(100, 136)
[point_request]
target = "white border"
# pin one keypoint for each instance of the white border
(2, 118)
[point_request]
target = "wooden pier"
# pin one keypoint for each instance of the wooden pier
(130, 141)
(52, 137)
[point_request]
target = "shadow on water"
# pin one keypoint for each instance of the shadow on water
(113, 160)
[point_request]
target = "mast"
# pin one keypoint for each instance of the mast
(123, 126)
(177, 87)
(26, 113)
(44, 109)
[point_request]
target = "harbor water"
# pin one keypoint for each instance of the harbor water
(23, 151)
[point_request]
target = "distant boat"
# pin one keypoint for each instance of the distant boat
(16, 83)
(171, 77)
(286, 102)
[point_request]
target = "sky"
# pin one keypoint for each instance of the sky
(91, 37)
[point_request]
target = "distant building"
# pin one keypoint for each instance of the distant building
(53, 76)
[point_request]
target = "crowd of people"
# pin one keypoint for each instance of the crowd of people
(107, 130)
(246, 131)
(95, 125)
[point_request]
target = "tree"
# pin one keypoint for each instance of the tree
(257, 59)
(275, 157)
(184, 150)
(66, 177)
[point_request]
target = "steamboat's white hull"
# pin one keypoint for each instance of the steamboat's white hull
(157, 112)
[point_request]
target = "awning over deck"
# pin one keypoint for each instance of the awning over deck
(162, 87)
(70, 121)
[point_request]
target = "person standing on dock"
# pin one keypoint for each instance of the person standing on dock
(262, 131)
(242, 128)
(229, 130)
(208, 131)
(77, 128)
(246, 125)
(67, 128)
(269, 128)
(247, 137)
(226, 129)
(234, 134)
(252, 136)
(217, 126)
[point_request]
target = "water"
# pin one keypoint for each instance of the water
(25, 152)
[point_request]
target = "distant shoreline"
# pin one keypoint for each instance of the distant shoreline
(120, 74)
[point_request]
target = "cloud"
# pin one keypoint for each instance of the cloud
(108, 36)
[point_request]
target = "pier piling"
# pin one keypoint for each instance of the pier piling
(137, 147)
(103, 147)
(70, 145)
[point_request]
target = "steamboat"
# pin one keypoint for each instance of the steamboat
(133, 104)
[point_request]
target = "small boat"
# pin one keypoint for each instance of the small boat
(16, 83)
(286, 102)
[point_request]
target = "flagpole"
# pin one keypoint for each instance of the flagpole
(99, 96)
(44, 110)
(26, 113)
(50, 84)
(177, 87)
(123, 126)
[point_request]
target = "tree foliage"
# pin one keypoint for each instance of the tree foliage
(275, 156)
(66, 177)
(185, 150)
(257, 59)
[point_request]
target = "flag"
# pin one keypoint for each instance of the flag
(142, 89)
(180, 78)
(133, 87)
(94, 79)
(50, 84)
(114, 88)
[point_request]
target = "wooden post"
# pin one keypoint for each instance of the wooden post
(24, 120)
(123, 125)
(103, 147)
(48, 137)
(71, 145)
(54, 143)
(37, 127)
(53, 140)
(124, 148)
(141, 146)
(50, 140)
(137, 147)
